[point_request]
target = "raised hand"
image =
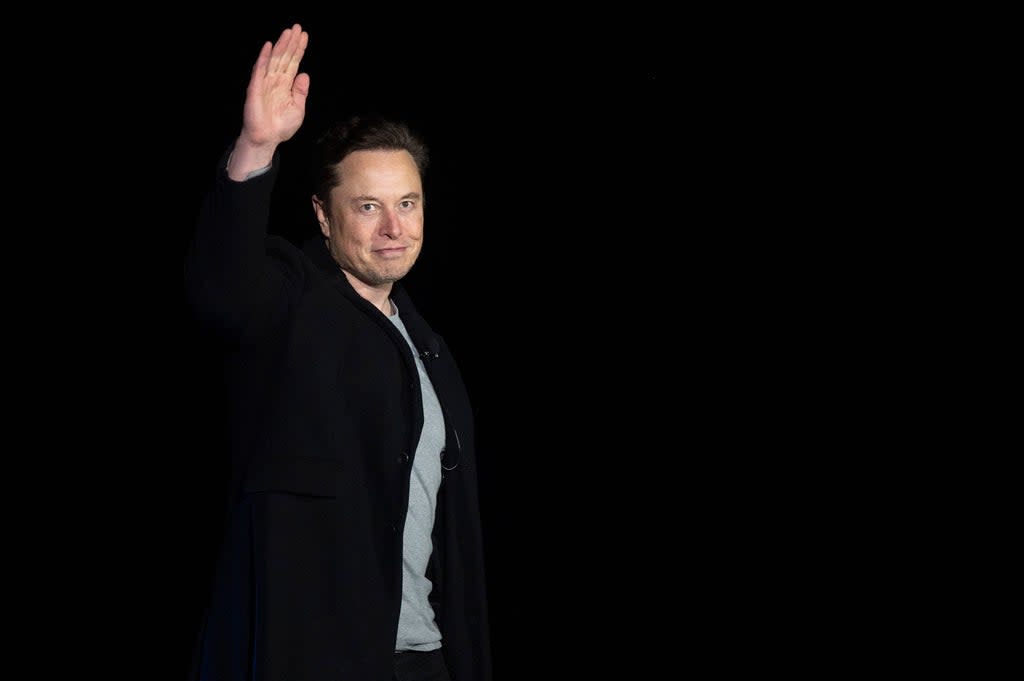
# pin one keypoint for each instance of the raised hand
(275, 102)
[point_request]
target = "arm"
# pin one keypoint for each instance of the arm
(275, 103)
(229, 277)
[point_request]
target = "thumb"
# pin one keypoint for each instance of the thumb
(300, 89)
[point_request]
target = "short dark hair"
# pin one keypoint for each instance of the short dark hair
(361, 133)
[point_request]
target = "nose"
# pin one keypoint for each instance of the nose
(391, 224)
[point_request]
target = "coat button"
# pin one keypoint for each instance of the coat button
(403, 457)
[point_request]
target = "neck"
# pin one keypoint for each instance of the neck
(379, 296)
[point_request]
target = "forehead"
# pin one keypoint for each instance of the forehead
(378, 171)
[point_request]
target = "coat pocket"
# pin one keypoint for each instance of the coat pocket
(303, 475)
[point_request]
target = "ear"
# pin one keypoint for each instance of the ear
(321, 216)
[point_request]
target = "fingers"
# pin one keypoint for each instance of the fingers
(288, 51)
(300, 49)
(259, 68)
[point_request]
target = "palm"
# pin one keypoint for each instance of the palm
(275, 102)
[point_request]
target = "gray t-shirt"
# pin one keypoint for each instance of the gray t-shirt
(417, 629)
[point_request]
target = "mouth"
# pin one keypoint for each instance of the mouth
(391, 252)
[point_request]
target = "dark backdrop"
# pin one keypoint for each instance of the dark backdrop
(553, 265)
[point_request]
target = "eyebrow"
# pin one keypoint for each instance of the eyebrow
(366, 197)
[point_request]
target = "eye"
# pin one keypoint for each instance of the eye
(367, 208)
(406, 205)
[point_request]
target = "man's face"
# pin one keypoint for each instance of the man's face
(375, 223)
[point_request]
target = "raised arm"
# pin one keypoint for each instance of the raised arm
(275, 103)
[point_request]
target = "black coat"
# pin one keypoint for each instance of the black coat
(326, 414)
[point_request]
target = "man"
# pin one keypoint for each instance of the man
(352, 548)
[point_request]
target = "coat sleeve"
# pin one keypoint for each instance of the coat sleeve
(240, 282)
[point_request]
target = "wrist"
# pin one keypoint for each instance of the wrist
(247, 159)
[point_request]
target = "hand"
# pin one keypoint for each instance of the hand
(275, 101)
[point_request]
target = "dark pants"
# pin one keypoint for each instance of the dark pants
(413, 665)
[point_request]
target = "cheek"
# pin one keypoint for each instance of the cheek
(359, 240)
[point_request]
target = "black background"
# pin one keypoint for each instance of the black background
(554, 265)
(630, 248)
